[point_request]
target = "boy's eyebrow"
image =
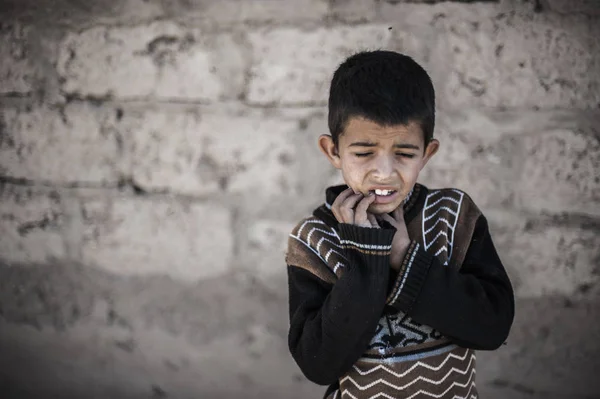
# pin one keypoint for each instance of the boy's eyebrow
(370, 144)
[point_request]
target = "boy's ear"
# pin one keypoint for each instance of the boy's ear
(330, 150)
(430, 151)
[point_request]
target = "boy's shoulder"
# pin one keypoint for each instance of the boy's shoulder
(447, 223)
(449, 199)
(314, 244)
(311, 226)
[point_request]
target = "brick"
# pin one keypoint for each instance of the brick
(560, 172)
(164, 148)
(588, 7)
(493, 57)
(134, 236)
(544, 256)
(77, 13)
(355, 11)
(462, 163)
(66, 146)
(160, 60)
(317, 174)
(31, 223)
(265, 245)
(533, 160)
(16, 71)
(295, 66)
(211, 152)
(227, 12)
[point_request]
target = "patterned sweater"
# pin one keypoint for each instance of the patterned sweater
(370, 332)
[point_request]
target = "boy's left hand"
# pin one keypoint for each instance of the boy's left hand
(401, 241)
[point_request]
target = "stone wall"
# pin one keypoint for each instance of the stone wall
(155, 154)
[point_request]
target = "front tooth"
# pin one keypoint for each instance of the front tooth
(382, 192)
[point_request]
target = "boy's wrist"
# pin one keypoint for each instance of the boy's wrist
(372, 245)
(398, 254)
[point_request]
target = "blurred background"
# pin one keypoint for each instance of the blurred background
(155, 155)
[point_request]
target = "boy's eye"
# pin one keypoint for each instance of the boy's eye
(399, 154)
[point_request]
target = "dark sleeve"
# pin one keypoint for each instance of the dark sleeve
(332, 324)
(473, 305)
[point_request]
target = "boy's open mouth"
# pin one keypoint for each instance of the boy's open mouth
(383, 193)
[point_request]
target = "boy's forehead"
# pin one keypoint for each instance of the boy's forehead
(369, 131)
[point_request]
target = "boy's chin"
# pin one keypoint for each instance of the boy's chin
(380, 209)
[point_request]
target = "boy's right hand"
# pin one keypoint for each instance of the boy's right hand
(346, 210)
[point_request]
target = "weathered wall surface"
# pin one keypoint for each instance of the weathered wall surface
(154, 155)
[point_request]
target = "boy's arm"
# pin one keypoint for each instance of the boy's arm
(473, 305)
(332, 321)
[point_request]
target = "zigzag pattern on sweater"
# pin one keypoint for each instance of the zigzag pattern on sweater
(322, 240)
(440, 216)
(445, 376)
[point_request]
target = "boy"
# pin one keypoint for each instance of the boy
(392, 286)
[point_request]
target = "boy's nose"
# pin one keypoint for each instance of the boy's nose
(383, 168)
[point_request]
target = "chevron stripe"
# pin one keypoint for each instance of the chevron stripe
(452, 207)
(458, 213)
(454, 385)
(416, 380)
(440, 233)
(308, 246)
(433, 193)
(438, 210)
(310, 233)
(317, 221)
(337, 266)
(473, 396)
(424, 365)
(317, 250)
(379, 395)
(383, 395)
(442, 249)
(457, 202)
(436, 223)
(335, 244)
(422, 392)
(328, 254)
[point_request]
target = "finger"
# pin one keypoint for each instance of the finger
(342, 197)
(335, 207)
(390, 220)
(351, 201)
(360, 215)
(399, 214)
(373, 220)
(346, 209)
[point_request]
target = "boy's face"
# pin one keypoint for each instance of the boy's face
(385, 160)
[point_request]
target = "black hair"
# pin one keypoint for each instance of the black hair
(385, 87)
